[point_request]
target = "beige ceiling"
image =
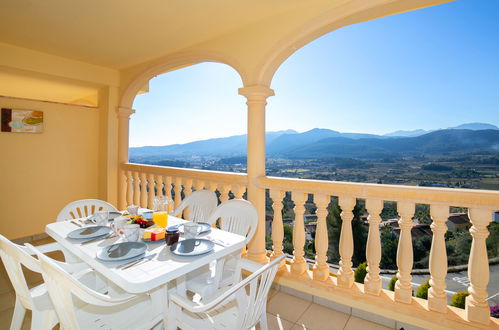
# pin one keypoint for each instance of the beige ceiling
(121, 33)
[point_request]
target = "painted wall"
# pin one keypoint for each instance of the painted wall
(41, 173)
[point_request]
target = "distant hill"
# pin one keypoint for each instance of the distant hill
(227, 146)
(319, 143)
(418, 132)
(434, 143)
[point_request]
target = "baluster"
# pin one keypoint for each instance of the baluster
(187, 192)
(477, 309)
(159, 185)
(136, 188)
(403, 288)
(437, 298)
(168, 186)
(238, 191)
(143, 190)
(150, 188)
(345, 273)
(129, 190)
(224, 192)
(372, 282)
(277, 226)
(299, 265)
(177, 189)
(321, 269)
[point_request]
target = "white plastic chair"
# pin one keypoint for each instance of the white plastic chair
(240, 307)
(83, 208)
(80, 307)
(80, 209)
(201, 204)
(36, 299)
(237, 216)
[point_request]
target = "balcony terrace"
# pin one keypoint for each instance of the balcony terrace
(86, 83)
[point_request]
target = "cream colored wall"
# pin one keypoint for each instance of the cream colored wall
(40, 173)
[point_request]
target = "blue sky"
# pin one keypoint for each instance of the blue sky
(432, 68)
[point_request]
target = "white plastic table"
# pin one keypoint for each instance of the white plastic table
(161, 270)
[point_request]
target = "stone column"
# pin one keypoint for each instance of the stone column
(256, 96)
(123, 143)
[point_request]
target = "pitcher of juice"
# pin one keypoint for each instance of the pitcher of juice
(160, 208)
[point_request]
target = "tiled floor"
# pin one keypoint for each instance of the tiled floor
(284, 311)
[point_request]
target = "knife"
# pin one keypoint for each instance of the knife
(135, 262)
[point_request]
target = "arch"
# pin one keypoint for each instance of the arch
(346, 14)
(170, 63)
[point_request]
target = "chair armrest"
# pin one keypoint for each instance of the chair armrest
(72, 268)
(44, 248)
(249, 265)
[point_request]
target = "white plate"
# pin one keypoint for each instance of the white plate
(205, 228)
(122, 251)
(89, 232)
(192, 247)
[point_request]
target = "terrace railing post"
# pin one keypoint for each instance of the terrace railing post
(256, 96)
(372, 282)
(403, 287)
(123, 141)
(437, 298)
(477, 309)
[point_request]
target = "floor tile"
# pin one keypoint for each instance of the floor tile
(318, 317)
(7, 300)
(287, 307)
(6, 318)
(276, 323)
(355, 323)
(272, 292)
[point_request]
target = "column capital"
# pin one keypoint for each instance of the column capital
(256, 92)
(125, 112)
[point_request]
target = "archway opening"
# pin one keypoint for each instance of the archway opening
(191, 117)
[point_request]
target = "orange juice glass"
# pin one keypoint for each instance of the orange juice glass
(160, 218)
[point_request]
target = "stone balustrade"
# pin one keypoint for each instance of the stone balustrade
(480, 204)
(143, 182)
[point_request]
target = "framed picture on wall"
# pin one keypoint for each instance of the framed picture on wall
(21, 121)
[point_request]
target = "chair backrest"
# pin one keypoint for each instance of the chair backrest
(13, 256)
(62, 287)
(83, 208)
(253, 302)
(237, 216)
(201, 204)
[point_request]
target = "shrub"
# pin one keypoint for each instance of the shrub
(391, 285)
(360, 272)
(459, 299)
(494, 311)
(422, 291)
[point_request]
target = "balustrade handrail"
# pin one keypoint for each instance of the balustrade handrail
(470, 198)
(221, 177)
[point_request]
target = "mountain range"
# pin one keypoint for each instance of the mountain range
(319, 143)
